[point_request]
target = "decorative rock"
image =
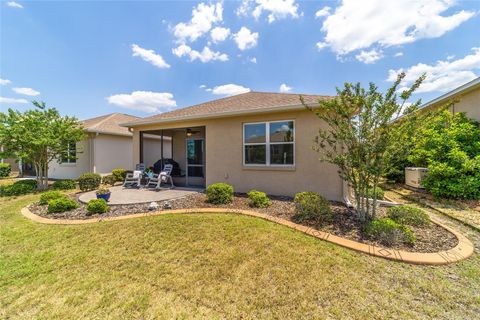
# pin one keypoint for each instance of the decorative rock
(153, 206)
(167, 206)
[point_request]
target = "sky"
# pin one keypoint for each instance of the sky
(90, 58)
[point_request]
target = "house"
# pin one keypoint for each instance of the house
(107, 146)
(467, 99)
(254, 140)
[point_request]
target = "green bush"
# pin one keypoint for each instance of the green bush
(97, 206)
(5, 169)
(18, 188)
(219, 193)
(50, 195)
(312, 207)
(389, 232)
(408, 215)
(380, 193)
(89, 181)
(66, 184)
(119, 174)
(259, 199)
(110, 180)
(61, 205)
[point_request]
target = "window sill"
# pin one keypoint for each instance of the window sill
(268, 168)
(68, 164)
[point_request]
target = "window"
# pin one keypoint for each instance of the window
(70, 154)
(269, 143)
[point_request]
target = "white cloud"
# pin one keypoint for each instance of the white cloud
(14, 4)
(26, 91)
(205, 55)
(146, 101)
(204, 16)
(149, 56)
(202, 86)
(325, 11)
(278, 9)
(13, 100)
(450, 57)
(442, 76)
(245, 39)
(244, 8)
(219, 34)
(321, 45)
(5, 82)
(398, 54)
(357, 25)
(369, 57)
(284, 88)
(229, 89)
(253, 60)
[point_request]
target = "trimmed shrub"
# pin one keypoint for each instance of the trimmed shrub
(119, 174)
(5, 169)
(389, 232)
(259, 199)
(61, 205)
(89, 181)
(380, 193)
(66, 184)
(408, 215)
(312, 207)
(219, 193)
(50, 195)
(110, 180)
(97, 206)
(18, 188)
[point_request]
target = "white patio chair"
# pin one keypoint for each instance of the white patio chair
(163, 177)
(133, 179)
(140, 167)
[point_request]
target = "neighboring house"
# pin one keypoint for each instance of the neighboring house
(467, 97)
(107, 146)
(253, 140)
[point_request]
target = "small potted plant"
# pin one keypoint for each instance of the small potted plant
(103, 193)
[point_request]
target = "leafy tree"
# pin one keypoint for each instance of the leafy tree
(360, 134)
(449, 145)
(39, 135)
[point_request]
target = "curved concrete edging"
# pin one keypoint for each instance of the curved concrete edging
(463, 250)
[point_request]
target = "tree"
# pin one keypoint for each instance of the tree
(39, 135)
(361, 131)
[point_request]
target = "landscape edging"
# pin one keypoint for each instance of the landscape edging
(463, 250)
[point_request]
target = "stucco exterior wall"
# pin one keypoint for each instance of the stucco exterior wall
(468, 102)
(111, 152)
(152, 150)
(72, 170)
(224, 157)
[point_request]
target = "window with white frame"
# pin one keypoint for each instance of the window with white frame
(70, 153)
(269, 143)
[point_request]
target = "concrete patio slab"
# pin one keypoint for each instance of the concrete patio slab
(121, 195)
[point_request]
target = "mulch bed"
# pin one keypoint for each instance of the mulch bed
(432, 238)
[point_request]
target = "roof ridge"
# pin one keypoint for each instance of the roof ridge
(108, 116)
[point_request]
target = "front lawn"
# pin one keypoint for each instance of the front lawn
(212, 266)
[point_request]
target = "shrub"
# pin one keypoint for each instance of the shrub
(389, 232)
(311, 206)
(97, 206)
(102, 190)
(89, 181)
(408, 215)
(50, 195)
(380, 193)
(18, 188)
(119, 174)
(219, 193)
(61, 205)
(110, 180)
(66, 184)
(5, 169)
(259, 199)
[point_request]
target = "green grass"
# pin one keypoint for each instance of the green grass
(211, 266)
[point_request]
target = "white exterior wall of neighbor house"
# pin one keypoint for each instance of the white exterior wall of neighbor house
(72, 170)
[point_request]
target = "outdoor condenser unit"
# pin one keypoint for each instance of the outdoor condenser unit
(414, 176)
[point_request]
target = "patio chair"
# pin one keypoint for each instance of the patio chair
(133, 179)
(140, 167)
(163, 177)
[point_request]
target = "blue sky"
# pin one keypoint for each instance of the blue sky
(89, 58)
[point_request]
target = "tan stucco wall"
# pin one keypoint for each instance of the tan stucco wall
(111, 152)
(224, 157)
(152, 150)
(468, 102)
(72, 170)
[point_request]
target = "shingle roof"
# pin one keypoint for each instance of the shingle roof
(109, 124)
(250, 102)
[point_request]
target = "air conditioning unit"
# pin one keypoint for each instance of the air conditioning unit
(414, 176)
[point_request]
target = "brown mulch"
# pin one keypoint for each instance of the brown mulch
(432, 238)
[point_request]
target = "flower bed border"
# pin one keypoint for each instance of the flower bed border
(463, 250)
